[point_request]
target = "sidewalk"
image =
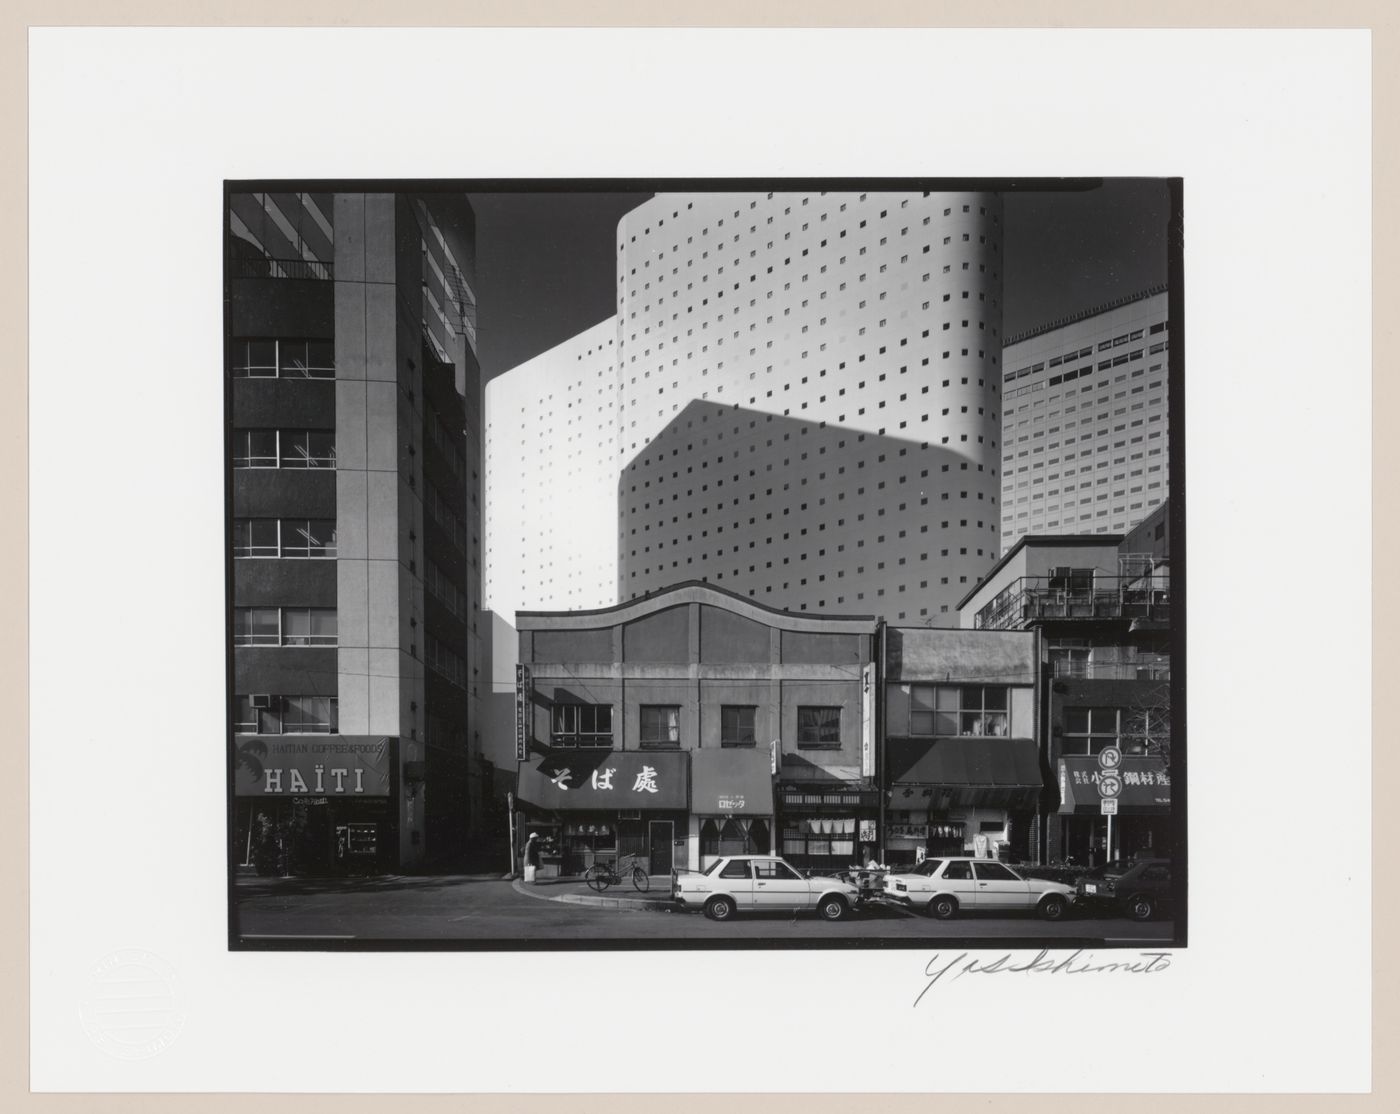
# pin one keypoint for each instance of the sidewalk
(624, 898)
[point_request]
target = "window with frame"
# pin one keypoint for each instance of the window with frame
(981, 710)
(581, 725)
(266, 714)
(303, 538)
(735, 835)
(284, 626)
(284, 448)
(818, 726)
(283, 358)
(660, 725)
(736, 725)
(1090, 730)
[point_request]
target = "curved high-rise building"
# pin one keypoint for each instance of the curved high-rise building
(809, 397)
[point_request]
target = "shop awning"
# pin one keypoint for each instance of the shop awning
(964, 772)
(605, 780)
(975, 763)
(1147, 786)
(731, 781)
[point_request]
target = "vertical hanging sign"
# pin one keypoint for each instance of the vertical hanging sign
(523, 687)
(867, 721)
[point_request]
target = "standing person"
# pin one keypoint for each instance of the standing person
(532, 857)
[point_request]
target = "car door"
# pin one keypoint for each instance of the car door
(777, 886)
(957, 880)
(736, 879)
(999, 888)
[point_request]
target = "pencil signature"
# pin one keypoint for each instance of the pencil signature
(1076, 963)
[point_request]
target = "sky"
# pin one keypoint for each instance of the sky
(545, 260)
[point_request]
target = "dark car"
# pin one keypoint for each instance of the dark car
(1137, 888)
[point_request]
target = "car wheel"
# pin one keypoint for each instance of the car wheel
(1141, 907)
(942, 907)
(832, 908)
(1053, 907)
(719, 908)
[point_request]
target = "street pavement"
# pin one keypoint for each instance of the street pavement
(492, 911)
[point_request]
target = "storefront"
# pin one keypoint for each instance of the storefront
(828, 825)
(607, 804)
(1142, 826)
(731, 807)
(315, 805)
(961, 796)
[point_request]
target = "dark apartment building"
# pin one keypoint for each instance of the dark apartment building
(1102, 606)
(354, 418)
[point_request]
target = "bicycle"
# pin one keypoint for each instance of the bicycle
(600, 876)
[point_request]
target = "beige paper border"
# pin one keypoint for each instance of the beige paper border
(15, 19)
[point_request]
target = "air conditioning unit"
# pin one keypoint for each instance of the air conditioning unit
(262, 701)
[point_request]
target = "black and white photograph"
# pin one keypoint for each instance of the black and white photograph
(705, 564)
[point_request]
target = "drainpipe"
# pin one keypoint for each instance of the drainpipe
(880, 768)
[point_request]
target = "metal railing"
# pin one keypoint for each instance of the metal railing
(1033, 599)
(1113, 670)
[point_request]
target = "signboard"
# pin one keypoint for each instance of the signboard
(1144, 785)
(867, 721)
(867, 831)
(1110, 758)
(906, 831)
(1108, 807)
(331, 766)
(606, 780)
(524, 697)
(773, 757)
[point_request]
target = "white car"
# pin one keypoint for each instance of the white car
(943, 887)
(760, 883)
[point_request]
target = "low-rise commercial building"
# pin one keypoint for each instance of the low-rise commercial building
(660, 728)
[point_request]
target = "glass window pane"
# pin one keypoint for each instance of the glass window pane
(947, 699)
(320, 357)
(320, 445)
(995, 723)
(323, 625)
(1077, 720)
(995, 699)
(1104, 720)
(292, 358)
(921, 698)
(262, 625)
(297, 630)
(945, 723)
(971, 698)
(260, 358)
(921, 723)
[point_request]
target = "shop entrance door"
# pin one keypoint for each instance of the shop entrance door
(660, 840)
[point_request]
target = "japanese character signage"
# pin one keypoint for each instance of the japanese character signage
(1137, 783)
(524, 699)
(867, 721)
(606, 780)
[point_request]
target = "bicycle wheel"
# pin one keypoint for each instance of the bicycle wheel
(598, 877)
(640, 880)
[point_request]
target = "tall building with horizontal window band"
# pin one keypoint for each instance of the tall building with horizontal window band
(1084, 445)
(354, 421)
(809, 394)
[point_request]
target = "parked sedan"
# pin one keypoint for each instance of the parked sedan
(761, 883)
(945, 887)
(1138, 888)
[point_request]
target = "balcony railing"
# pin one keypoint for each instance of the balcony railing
(1036, 599)
(1113, 670)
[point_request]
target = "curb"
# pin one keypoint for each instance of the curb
(622, 904)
